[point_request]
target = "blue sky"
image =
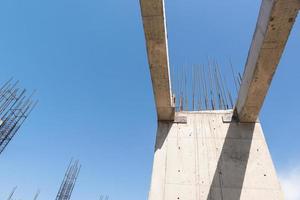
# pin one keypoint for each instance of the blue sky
(87, 59)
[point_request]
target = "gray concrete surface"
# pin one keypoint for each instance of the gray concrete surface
(212, 158)
(154, 21)
(276, 19)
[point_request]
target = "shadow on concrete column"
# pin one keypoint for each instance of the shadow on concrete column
(229, 176)
(163, 130)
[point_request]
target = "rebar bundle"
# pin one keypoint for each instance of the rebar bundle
(36, 195)
(103, 197)
(15, 107)
(12, 193)
(67, 186)
(204, 87)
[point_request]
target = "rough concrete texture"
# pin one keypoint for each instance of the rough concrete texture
(210, 157)
(275, 21)
(154, 21)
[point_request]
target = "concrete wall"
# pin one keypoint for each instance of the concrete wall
(210, 157)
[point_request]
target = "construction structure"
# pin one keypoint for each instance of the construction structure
(219, 153)
(68, 183)
(10, 197)
(36, 195)
(12, 193)
(102, 197)
(15, 107)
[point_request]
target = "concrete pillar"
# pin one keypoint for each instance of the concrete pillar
(211, 157)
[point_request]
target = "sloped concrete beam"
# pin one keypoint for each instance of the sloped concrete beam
(276, 19)
(154, 21)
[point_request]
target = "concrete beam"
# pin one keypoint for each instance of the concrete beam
(276, 19)
(154, 21)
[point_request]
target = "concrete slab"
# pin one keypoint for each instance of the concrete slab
(207, 158)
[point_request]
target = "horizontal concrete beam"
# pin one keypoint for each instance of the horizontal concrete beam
(154, 21)
(276, 19)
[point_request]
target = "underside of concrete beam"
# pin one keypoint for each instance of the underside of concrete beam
(212, 158)
(276, 19)
(154, 21)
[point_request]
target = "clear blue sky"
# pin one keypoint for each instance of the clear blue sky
(87, 59)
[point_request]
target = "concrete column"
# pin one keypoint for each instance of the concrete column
(154, 21)
(211, 157)
(276, 19)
